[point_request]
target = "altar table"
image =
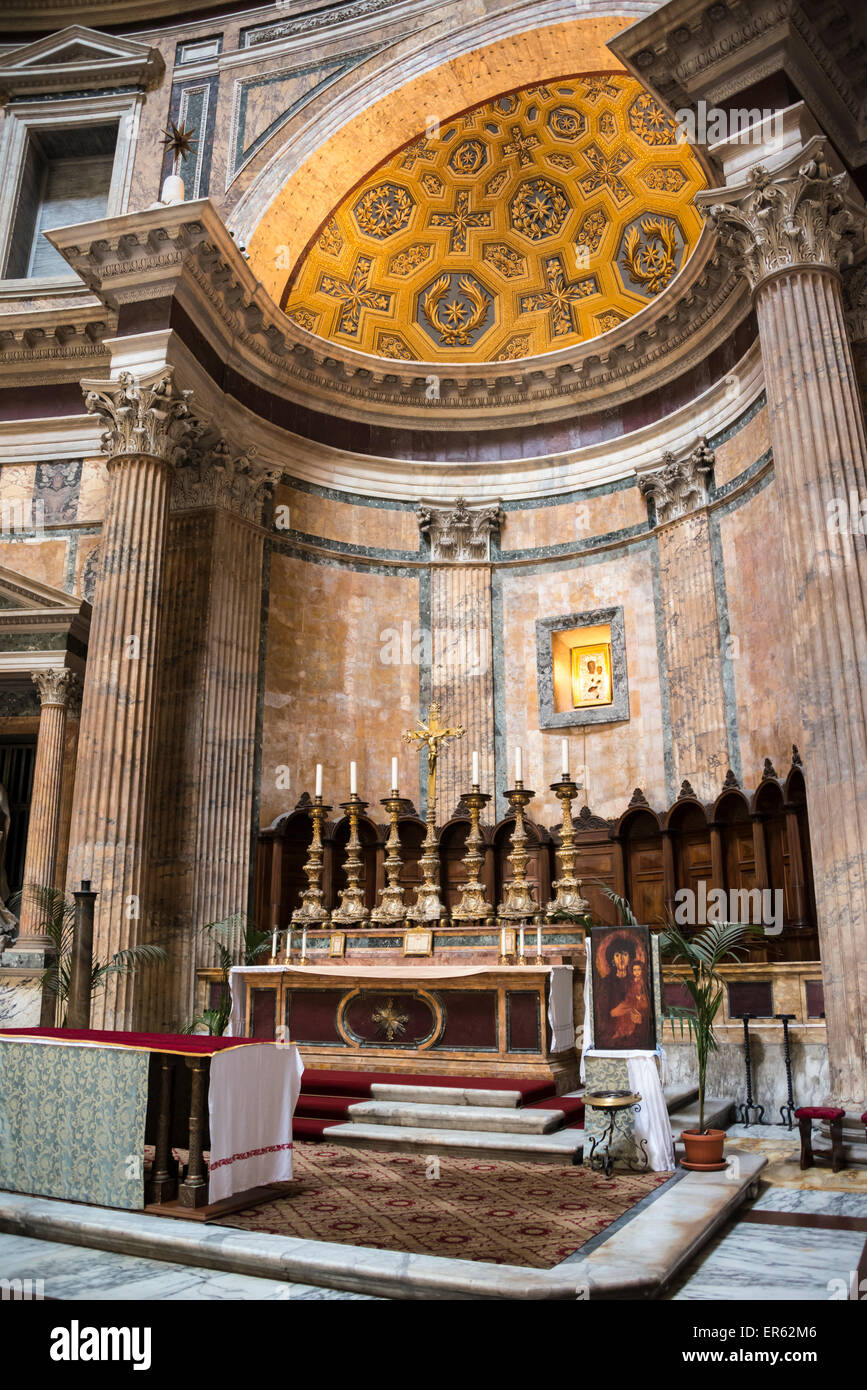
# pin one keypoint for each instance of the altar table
(478, 1020)
(74, 1106)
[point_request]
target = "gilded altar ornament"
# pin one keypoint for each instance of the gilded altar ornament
(461, 316)
(428, 907)
(313, 911)
(391, 911)
(567, 901)
(352, 908)
(518, 904)
(473, 906)
(653, 261)
(389, 1021)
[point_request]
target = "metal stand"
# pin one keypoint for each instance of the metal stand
(633, 1152)
(743, 1111)
(787, 1111)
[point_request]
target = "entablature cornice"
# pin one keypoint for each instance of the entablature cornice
(185, 254)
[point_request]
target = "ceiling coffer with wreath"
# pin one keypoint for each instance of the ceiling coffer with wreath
(542, 219)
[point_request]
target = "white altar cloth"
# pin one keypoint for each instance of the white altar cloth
(251, 1100)
(560, 1010)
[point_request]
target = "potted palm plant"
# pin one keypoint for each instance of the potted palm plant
(239, 942)
(703, 954)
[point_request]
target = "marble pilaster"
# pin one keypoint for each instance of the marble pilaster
(148, 425)
(789, 230)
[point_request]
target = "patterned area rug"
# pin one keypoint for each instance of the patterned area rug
(506, 1213)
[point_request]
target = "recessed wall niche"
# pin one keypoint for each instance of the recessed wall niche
(581, 669)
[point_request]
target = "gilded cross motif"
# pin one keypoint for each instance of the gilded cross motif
(389, 1021)
(606, 172)
(433, 733)
(561, 298)
(356, 294)
(521, 145)
(460, 219)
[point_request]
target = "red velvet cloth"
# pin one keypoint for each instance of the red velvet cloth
(819, 1112)
(186, 1044)
(323, 1082)
(864, 1118)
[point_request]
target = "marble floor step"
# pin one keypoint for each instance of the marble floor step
(410, 1114)
(678, 1096)
(445, 1095)
(718, 1111)
(561, 1146)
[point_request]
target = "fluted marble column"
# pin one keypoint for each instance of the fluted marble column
(148, 425)
(789, 231)
(207, 720)
(40, 863)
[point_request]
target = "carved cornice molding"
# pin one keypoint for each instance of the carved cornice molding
(186, 251)
(143, 416)
(680, 485)
(58, 687)
(216, 475)
(78, 59)
(798, 215)
(457, 534)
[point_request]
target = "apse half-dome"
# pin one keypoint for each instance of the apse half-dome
(536, 221)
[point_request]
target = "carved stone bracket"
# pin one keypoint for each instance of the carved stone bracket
(458, 534)
(216, 475)
(680, 485)
(799, 215)
(144, 415)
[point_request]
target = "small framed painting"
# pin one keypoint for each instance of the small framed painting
(591, 675)
(337, 944)
(418, 942)
(623, 1013)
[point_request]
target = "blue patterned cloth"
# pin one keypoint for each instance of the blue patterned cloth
(72, 1122)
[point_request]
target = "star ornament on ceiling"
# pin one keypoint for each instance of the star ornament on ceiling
(180, 140)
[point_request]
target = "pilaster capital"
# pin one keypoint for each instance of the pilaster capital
(57, 687)
(801, 214)
(143, 415)
(681, 485)
(459, 534)
(215, 474)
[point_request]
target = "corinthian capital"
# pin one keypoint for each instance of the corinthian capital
(457, 533)
(680, 485)
(143, 415)
(799, 215)
(55, 687)
(216, 475)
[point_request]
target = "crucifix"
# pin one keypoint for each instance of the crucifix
(433, 733)
(427, 907)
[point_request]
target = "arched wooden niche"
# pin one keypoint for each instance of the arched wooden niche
(335, 860)
(641, 837)
(412, 832)
(538, 860)
(690, 837)
(280, 877)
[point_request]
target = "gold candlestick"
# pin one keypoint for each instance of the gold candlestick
(518, 904)
(352, 908)
(473, 906)
(567, 901)
(313, 910)
(391, 911)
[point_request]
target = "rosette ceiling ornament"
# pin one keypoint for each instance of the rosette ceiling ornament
(539, 220)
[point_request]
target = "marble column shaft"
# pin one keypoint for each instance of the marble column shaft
(40, 863)
(462, 681)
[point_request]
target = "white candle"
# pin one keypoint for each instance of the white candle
(519, 766)
(394, 782)
(353, 779)
(318, 779)
(538, 940)
(502, 941)
(288, 942)
(304, 943)
(564, 756)
(475, 769)
(521, 951)
(274, 944)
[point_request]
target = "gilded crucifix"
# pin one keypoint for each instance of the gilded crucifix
(433, 733)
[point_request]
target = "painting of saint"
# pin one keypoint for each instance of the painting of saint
(623, 1014)
(591, 676)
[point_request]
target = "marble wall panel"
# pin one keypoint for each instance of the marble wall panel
(381, 527)
(579, 519)
(43, 560)
(93, 489)
(736, 454)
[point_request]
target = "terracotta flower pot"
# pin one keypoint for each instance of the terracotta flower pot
(704, 1152)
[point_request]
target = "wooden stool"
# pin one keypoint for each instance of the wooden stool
(805, 1117)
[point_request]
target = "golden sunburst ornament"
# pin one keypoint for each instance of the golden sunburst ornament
(389, 1021)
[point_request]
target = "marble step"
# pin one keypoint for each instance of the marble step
(718, 1112)
(561, 1146)
(412, 1115)
(445, 1095)
(678, 1096)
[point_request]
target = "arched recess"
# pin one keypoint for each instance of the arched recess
(411, 831)
(643, 865)
(688, 827)
(731, 817)
(311, 176)
(280, 877)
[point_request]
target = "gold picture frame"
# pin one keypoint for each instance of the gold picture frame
(337, 944)
(591, 675)
(418, 942)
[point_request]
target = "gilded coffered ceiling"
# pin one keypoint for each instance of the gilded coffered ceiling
(539, 220)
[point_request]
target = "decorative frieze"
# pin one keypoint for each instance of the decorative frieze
(457, 534)
(220, 477)
(800, 215)
(143, 416)
(680, 485)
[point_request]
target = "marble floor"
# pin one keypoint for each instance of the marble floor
(72, 1272)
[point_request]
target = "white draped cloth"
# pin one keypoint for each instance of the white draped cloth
(646, 1072)
(251, 1099)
